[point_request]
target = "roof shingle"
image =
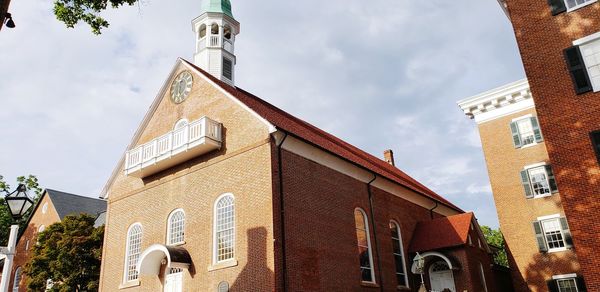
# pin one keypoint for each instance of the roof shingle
(441, 233)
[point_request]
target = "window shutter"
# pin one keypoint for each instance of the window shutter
(580, 284)
(551, 179)
(536, 130)
(553, 286)
(539, 235)
(578, 71)
(526, 184)
(566, 232)
(516, 136)
(557, 6)
(596, 143)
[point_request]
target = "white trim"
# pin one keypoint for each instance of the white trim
(522, 117)
(553, 216)
(168, 241)
(413, 269)
(151, 258)
(565, 276)
(369, 247)
(586, 39)
(482, 271)
(215, 249)
(18, 275)
(401, 252)
(534, 165)
(580, 5)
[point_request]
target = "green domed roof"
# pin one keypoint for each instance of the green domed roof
(218, 6)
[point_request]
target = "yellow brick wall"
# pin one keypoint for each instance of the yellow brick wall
(515, 212)
(241, 167)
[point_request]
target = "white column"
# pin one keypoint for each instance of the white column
(8, 261)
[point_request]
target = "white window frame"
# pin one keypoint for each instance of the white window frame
(215, 220)
(45, 208)
(569, 9)
(126, 279)
(180, 124)
(525, 117)
(585, 41)
(534, 166)
(397, 226)
(565, 277)
(170, 226)
(17, 280)
(553, 217)
(482, 271)
(369, 249)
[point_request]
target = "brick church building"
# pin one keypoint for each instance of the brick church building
(221, 191)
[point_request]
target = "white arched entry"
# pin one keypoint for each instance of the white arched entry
(441, 277)
(176, 260)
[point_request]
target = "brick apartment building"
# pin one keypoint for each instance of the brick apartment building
(222, 191)
(527, 197)
(52, 207)
(559, 42)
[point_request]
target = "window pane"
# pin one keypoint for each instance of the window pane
(364, 248)
(225, 229)
(364, 258)
(553, 233)
(359, 220)
(134, 249)
(176, 227)
(567, 285)
(526, 131)
(366, 275)
(539, 181)
(398, 254)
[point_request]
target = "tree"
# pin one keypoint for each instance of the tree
(494, 237)
(68, 252)
(31, 182)
(72, 11)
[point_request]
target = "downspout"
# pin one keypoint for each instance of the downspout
(282, 214)
(434, 207)
(375, 231)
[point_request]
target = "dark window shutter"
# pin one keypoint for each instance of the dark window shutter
(515, 133)
(536, 130)
(596, 143)
(539, 235)
(557, 6)
(551, 179)
(566, 232)
(578, 71)
(580, 284)
(553, 286)
(228, 68)
(526, 184)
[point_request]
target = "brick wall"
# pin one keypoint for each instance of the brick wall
(29, 238)
(566, 118)
(530, 268)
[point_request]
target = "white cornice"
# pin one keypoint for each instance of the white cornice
(498, 102)
(504, 7)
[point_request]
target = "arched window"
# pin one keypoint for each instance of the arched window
(398, 250)
(214, 29)
(17, 280)
(176, 227)
(180, 124)
(365, 255)
(202, 31)
(224, 229)
(133, 251)
(41, 228)
(227, 32)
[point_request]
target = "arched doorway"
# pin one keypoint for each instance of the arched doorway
(441, 277)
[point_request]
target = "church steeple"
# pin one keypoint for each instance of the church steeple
(215, 30)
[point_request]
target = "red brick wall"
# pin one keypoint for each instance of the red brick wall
(320, 229)
(566, 118)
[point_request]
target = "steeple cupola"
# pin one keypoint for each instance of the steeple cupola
(215, 31)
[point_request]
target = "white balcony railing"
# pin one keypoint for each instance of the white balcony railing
(196, 138)
(214, 41)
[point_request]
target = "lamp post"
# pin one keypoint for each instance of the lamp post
(18, 203)
(420, 265)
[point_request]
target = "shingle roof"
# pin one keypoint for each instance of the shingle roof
(441, 233)
(70, 204)
(324, 140)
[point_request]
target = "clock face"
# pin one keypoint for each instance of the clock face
(181, 87)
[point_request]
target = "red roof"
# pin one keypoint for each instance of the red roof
(440, 233)
(305, 131)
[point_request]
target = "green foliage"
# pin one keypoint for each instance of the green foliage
(68, 252)
(31, 182)
(494, 237)
(72, 11)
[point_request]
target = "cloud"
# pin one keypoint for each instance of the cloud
(379, 74)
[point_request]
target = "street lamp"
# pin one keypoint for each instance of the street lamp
(18, 202)
(420, 266)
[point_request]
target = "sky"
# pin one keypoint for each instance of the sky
(380, 74)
